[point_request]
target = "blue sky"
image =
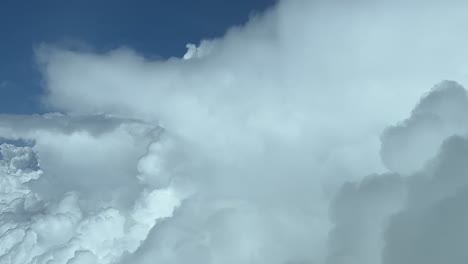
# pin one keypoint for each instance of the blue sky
(155, 28)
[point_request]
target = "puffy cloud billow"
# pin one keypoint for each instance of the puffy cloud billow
(290, 140)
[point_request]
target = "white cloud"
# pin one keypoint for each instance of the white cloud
(249, 136)
(78, 199)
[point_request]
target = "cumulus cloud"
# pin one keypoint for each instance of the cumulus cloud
(431, 228)
(412, 217)
(408, 146)
(253, 148)
(74, 150)
(67, 196)
(360, 214)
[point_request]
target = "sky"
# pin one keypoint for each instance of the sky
(309, 132)
(156, 28)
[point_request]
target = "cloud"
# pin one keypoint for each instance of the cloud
(431, 229)
(408, 146)
(70, 195)
(418, 216)
(360, 214)
(252, 148)
(76, 151)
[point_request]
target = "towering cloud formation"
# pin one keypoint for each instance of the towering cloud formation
(252, 148)
(408, 146)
